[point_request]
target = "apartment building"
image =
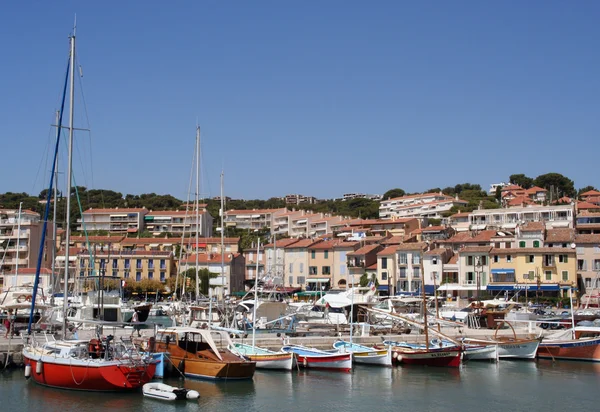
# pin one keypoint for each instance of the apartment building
(96, 242)
(340, 262)
(296, 265)
(588, 223)
(433, 267)
(387, 270)
(474, 269)
(323, 225)
(360, 260)
(179, 222)
(460, 221)
(541, 269)
(230, 268)
(321, 261)
(255, 262)
(433, 234)
(275, 259)
(117, 220)
(410, 266)
(509, 218)
(20, 240)
(24, 276)
(421, 206)
(255, 219)
(296, 199)
(383, 227)
(282, 222)
(588, 262)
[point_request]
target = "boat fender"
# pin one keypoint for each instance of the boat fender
(28, 371)
(394, 355)
(399, 359)
(182, 366)
(38, 367)
(23, 298)
(191, 394)
(304, 362)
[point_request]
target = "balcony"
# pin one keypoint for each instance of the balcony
(503, 279)
(355, 263)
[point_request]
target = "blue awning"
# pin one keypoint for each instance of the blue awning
(542, 288)
(383, 287)
(503, 271)
(429, 290)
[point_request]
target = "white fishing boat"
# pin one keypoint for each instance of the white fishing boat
(164, 392)
(264, 358)
(480, 352)
(508, 347)
(364, 354)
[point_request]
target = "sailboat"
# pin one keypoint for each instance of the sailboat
(264, 358)
(94, 365)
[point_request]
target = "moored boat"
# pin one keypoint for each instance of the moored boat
(581, 343)
(364, 354)
(196, 354)
(428, 356)
(264, 358)
(480, 352)
(164, 392)
(93, 365)
(318, 359)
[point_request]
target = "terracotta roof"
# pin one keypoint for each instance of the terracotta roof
(459, 237)
(301, 243)
(72, 251)
(363, 250)
(397, 221)
(586, 205)
(461, 214)
(511, 187)
(533, 227)
(593, 199)
(429, 229)
(453, 259)
(372, 267)
(583, 239)
(534, 190)
(419, 195)
(98, 239)
(346, 244)
(520, 201)
(483, 236)
(412, 246)
(394, 240)
(533, 250)
(565, 199)
(591, 193)
(190, 213)
(326, 244)
(436, 252)
(588, 213)
(117, 210)
(206, 258)
(559, 235)
(388, 251)
(281, 243)
(475, 249)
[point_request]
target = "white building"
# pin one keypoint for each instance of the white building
(427, 205)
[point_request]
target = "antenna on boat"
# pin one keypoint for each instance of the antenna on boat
(75, 25)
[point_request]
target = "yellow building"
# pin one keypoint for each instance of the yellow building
(533, 269)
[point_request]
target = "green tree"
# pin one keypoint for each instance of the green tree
(521, 180)
(393, 193)
(556, 183)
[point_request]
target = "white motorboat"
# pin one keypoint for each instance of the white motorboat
(164, 392)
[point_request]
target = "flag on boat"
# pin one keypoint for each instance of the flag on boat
(371, 286)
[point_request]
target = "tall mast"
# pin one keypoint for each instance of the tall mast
(425, 314)
(197, 206)
(53, 277)
(69, 177)
(222, 213)
(255, 296)
(15, 279)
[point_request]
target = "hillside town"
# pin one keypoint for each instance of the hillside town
(527, 244)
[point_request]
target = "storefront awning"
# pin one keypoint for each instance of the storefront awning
(455, 286)
(318, 280)
(542, 288)
(503, 271)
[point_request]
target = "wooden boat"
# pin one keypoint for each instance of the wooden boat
(164, 392)
(428, 356)
(581, 343)
(319, 359)
(480, 352)
(364, 354)
(195, 353)
(87, 365)
(509, 347)
(264, 358)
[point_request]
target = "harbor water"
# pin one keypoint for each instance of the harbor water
(476, 387)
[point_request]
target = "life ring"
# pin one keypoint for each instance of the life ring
(23, 298)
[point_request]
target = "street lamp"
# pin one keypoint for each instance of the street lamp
(478, 270)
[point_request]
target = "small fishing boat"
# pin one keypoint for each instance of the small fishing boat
(264, 358)
(508, 347)
(164, 392)
(319, 359)
(581, 343)
(480, 352)
(364, 354)
(428, 356)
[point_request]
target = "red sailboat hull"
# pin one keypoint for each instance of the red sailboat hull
(110, 377)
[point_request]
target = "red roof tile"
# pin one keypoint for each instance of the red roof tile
(363, 250)
(388, 251)
(117, 210)
(591, 193)
(533, 227)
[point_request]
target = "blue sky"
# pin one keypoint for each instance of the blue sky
(318, 98)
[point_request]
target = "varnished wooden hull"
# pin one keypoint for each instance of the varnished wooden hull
(581, 350)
